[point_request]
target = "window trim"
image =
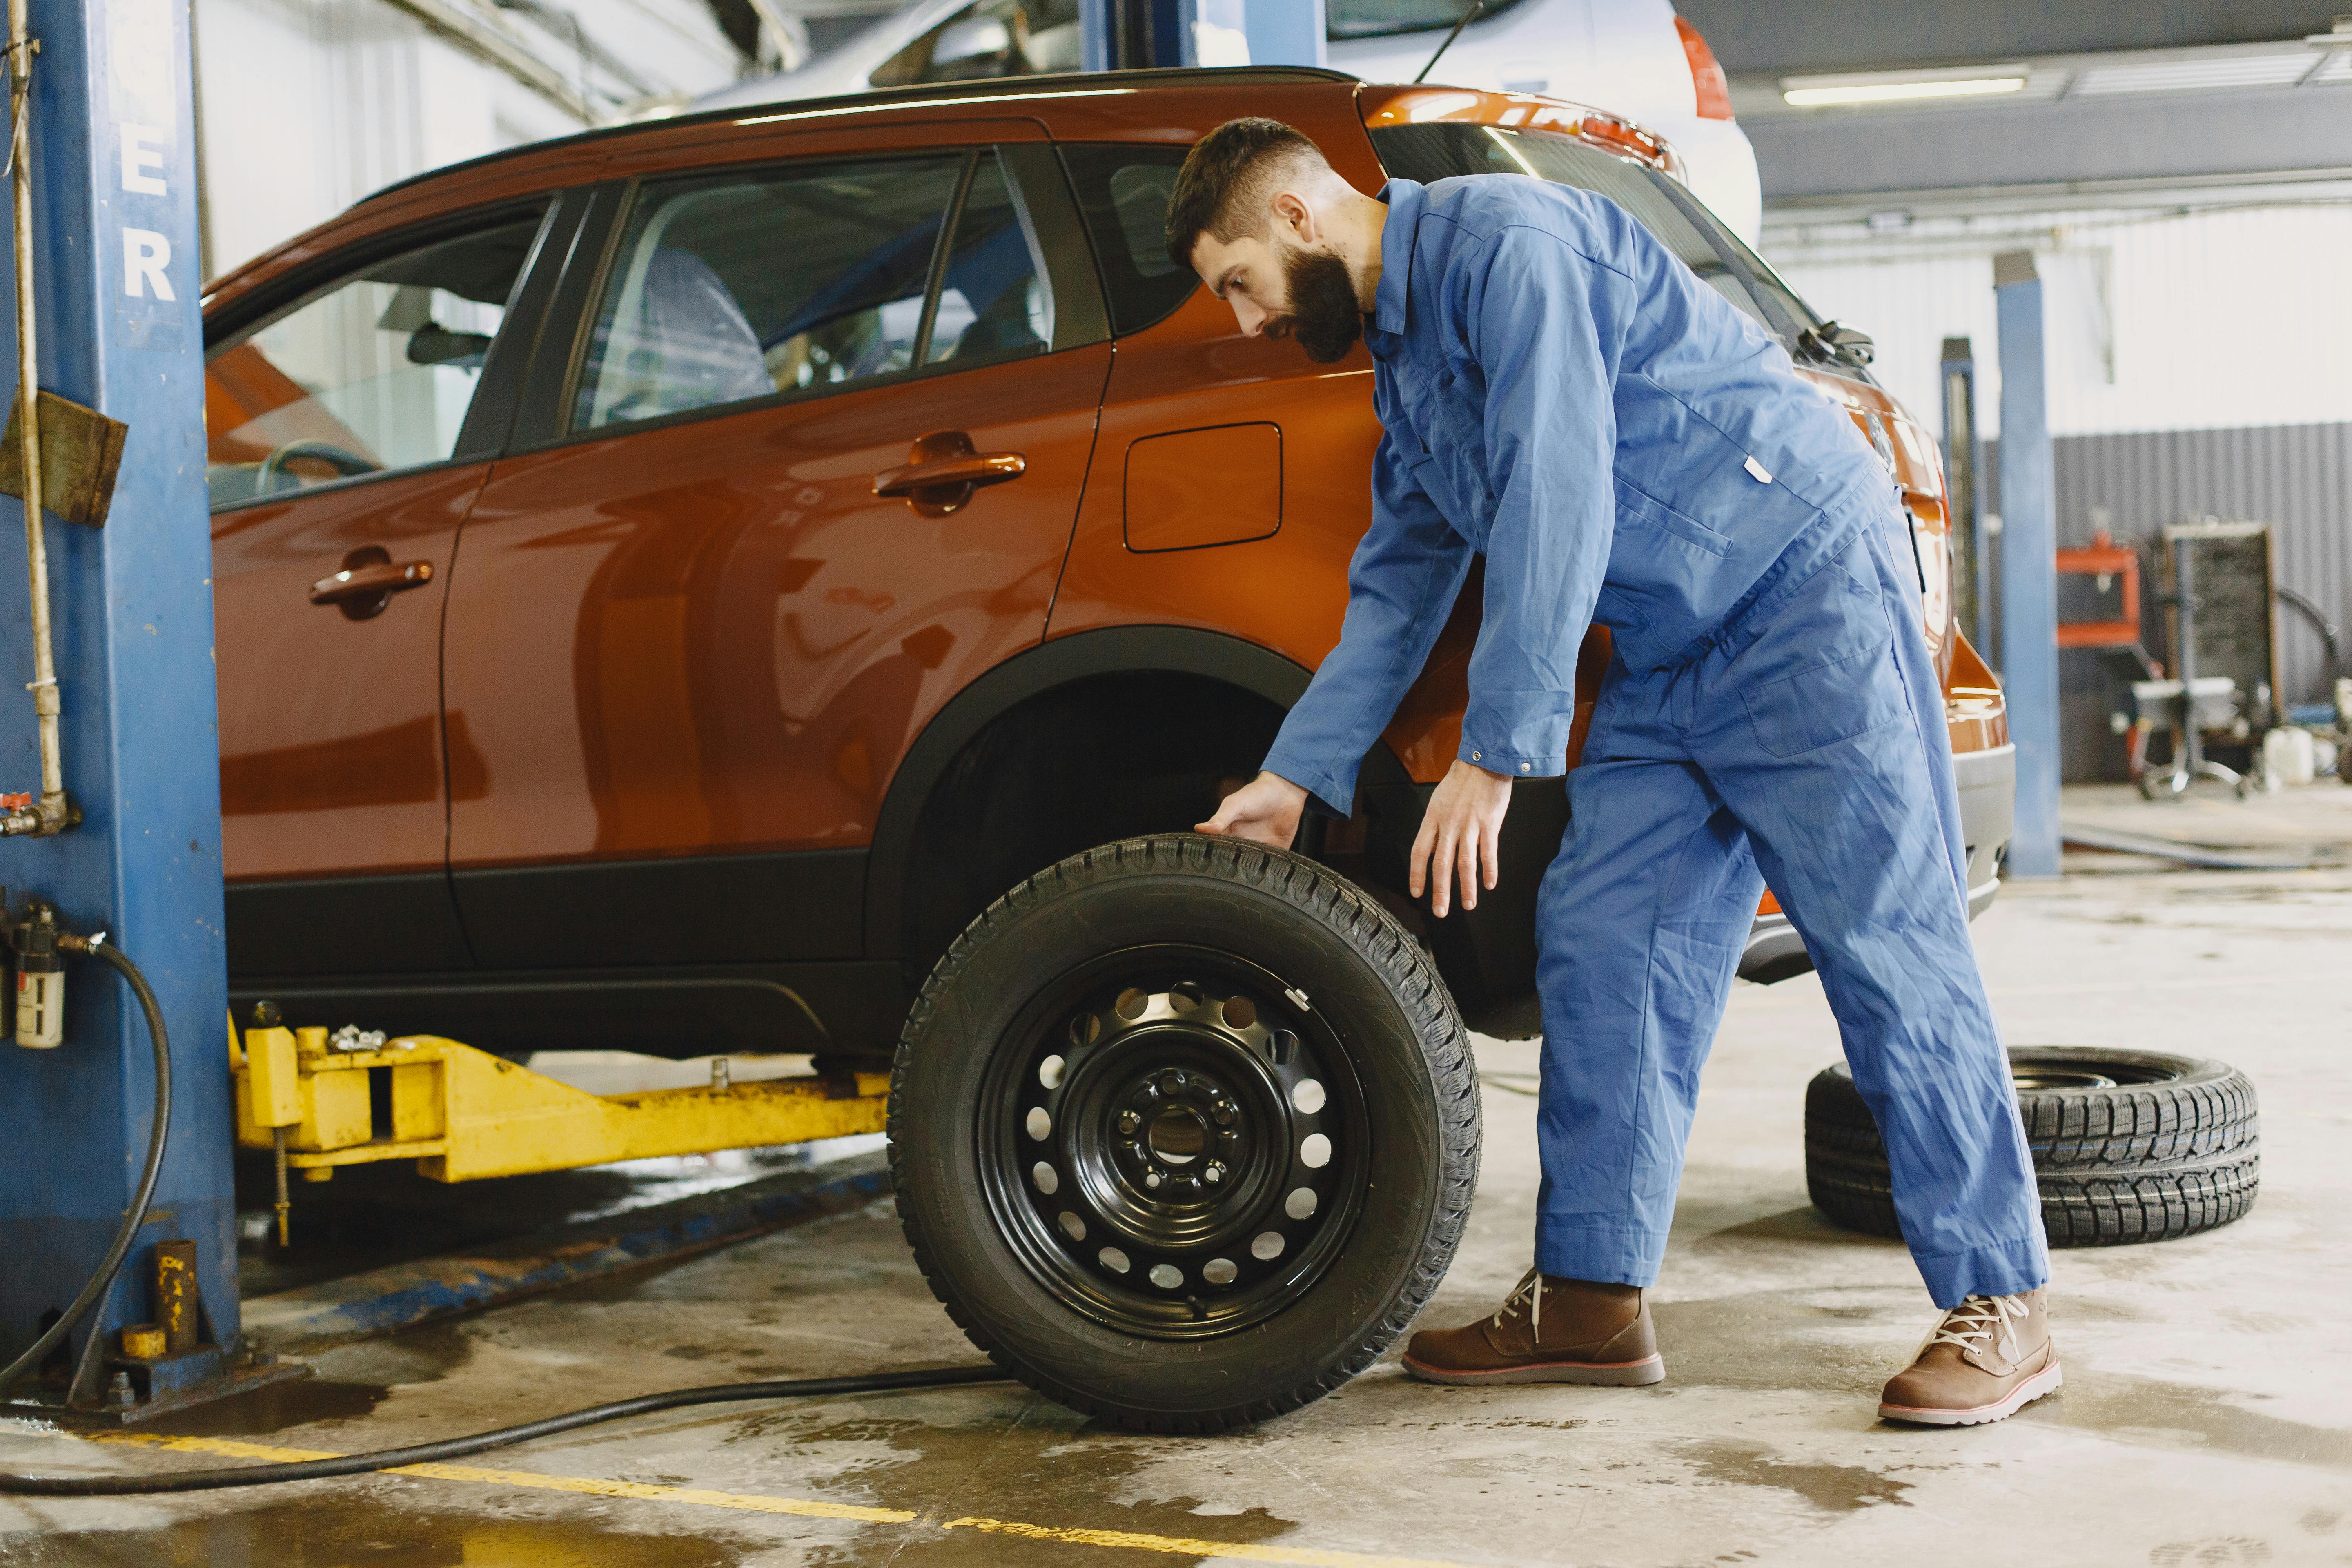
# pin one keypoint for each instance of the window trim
(501, 367)
(935, 276)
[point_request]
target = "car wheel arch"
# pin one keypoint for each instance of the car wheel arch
(1057, 667)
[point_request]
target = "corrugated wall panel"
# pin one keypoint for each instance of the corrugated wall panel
(2296, 477)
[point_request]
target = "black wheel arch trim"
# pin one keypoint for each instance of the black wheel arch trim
(1058, 662)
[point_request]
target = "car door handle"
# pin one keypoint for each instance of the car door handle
(943, 470)
(369, 579)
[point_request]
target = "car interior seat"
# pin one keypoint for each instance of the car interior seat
(688, 345)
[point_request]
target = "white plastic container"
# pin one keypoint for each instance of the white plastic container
(2288, 755)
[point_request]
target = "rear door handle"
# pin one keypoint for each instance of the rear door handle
(942, 471)
(369, 579)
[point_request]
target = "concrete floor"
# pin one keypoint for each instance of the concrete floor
(2207, 1416)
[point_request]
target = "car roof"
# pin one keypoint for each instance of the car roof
(959, 92)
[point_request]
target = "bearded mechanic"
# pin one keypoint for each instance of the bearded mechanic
(1560, 394)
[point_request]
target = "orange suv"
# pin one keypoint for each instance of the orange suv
(671, 580)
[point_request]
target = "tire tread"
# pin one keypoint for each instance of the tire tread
(2149, 1163)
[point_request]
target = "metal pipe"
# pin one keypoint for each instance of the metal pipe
(48, 814)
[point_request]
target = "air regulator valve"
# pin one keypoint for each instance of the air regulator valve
(32, 938)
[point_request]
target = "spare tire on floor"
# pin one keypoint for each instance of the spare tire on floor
(2127, 1145)
(1184, 1132)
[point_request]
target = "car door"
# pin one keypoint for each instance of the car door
(818, 449)
(350, 422)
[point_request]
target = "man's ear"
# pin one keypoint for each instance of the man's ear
(1292, 211)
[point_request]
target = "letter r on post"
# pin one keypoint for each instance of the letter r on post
(145, 254)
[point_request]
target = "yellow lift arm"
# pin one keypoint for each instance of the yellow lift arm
(462, 1114)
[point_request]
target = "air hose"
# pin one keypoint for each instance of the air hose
(102, 1280)
(382, 1459)
(458, 1447)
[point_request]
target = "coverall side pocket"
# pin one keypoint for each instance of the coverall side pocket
(1828, 703)
(1659, 515)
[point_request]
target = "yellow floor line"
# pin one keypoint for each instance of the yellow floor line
(752, 1502)
(1311, 1556)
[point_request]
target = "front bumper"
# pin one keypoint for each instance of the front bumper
(1988, 786)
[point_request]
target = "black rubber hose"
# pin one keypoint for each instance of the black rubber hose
(458, 1447)
(2328, 631)
(136, 1215)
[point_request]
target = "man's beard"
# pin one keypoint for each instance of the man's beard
(1324, 315)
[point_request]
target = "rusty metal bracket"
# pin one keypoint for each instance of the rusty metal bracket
(81, 452)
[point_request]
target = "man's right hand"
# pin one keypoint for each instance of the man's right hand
(1264, 811)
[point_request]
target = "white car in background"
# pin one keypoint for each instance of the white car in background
(1632, 58)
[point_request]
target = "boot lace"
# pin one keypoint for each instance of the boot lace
(1978, 1319)
(1530, 1291)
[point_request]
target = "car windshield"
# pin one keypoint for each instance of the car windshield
(1679, 220)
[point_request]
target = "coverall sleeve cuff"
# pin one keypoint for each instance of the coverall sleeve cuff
(1328, 794)
(1517, 764)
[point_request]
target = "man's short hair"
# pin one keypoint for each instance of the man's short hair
(1228, 181)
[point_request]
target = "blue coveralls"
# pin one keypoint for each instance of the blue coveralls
(1559, 392)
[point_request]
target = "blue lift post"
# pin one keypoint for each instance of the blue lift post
(116, 269)
(1138, 35)
(2029, 565)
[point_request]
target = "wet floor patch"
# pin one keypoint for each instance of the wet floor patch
(2175, 1415)
(305, 1401)
(364, 1531)
(1833, 1489)
(349, 1383)
(1042, 1465)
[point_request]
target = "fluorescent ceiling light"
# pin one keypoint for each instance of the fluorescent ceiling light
(1896, 91)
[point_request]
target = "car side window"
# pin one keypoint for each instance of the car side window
(372, 375)
(731, 287)
(1123, 194)
(991, 38)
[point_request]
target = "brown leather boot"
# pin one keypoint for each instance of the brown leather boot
(1549, 1330)
(1990, 1358)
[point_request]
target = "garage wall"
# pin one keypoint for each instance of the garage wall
(308, 105)
(2221, 318)
(305, 106)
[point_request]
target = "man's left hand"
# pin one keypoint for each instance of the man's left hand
(1461, 831)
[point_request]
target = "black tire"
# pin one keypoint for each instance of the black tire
(1173, 970)
(2127, 1146)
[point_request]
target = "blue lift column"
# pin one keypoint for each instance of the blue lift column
(1140, 34)
(117, 272)
(2029, 565)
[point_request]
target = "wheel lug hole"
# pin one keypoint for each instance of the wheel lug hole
(1172, 1082)
(1129, 1121)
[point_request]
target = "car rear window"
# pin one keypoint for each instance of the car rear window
(1437, 152)
(1123, 191)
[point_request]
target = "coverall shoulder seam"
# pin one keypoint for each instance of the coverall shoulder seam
(1488, 240)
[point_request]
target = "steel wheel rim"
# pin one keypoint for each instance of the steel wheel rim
(1172, 1141)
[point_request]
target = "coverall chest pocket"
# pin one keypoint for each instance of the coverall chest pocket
(1849, 683)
